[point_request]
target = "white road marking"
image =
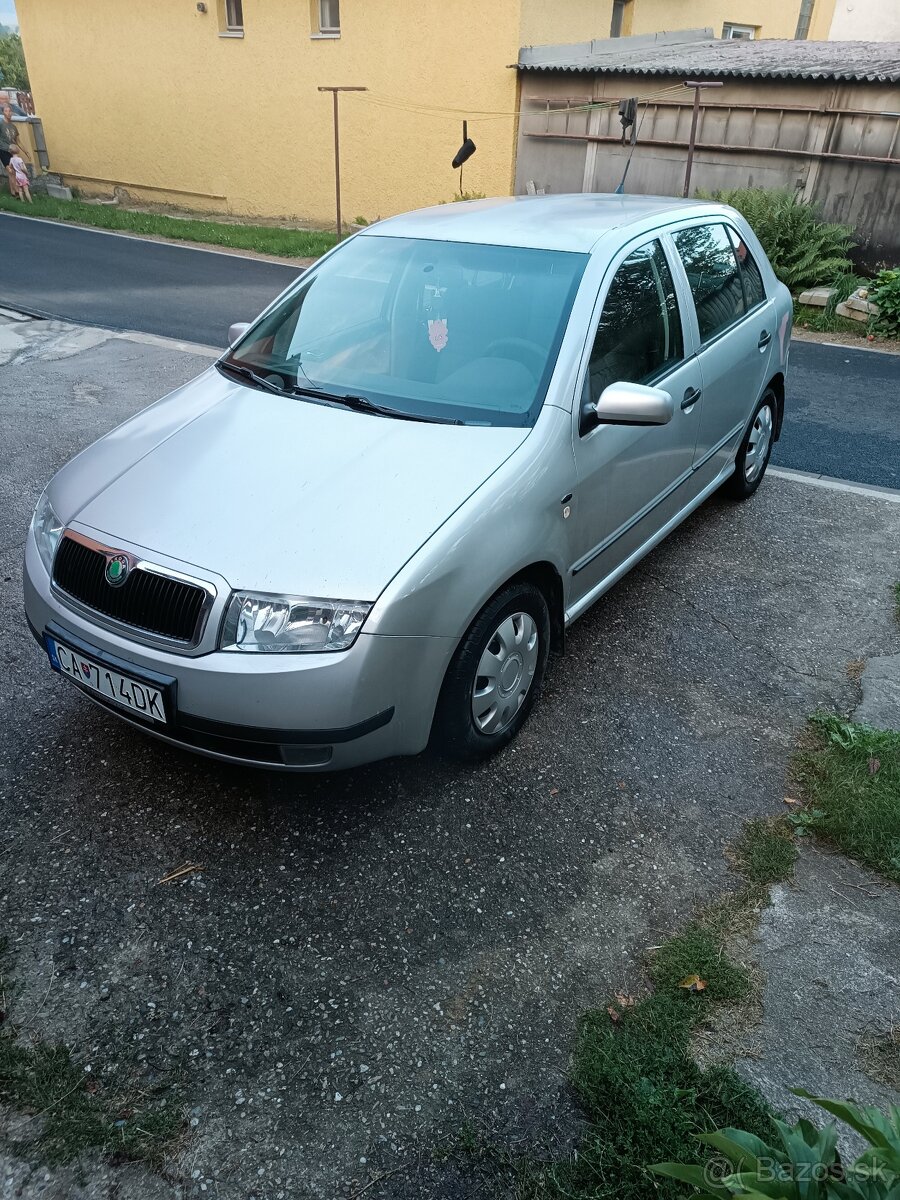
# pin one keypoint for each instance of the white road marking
(836, 485)
(155, 339)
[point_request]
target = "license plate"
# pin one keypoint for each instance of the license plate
(139, 697)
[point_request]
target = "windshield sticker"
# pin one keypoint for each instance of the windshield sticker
(437, 334)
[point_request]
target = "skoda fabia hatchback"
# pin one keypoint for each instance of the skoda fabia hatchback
(366, 526)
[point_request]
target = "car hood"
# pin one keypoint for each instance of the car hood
(278, 494)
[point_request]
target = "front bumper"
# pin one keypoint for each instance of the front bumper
(310, 712)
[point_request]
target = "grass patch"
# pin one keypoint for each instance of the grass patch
(765, 851)
(643, 1094)
(646, 1099)
(76, 1111)
(823, 320)
(850, 779)
(263, 239)
(699, 950)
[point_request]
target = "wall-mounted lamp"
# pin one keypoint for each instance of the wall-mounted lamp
(201, 7)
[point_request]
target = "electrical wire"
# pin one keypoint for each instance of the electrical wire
(422, 108)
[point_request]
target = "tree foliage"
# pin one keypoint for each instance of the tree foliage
(13, 72)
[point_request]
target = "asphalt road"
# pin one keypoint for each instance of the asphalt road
(842, 416)
(842, 412)
(367, 960)
(121, 282)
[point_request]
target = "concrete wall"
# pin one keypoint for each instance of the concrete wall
(863, 194)
(867, 20)
(148, 96)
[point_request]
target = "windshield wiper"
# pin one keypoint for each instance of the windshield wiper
(364, 404)
(357, 403)
(251, 377)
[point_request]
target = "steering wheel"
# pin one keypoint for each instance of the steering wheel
(520, 350)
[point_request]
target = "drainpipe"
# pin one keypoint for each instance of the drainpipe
(804, 18)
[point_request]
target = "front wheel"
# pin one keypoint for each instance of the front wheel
(755, 450)
(495, 677)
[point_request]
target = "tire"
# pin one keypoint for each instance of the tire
(513, 627)
(752, 458)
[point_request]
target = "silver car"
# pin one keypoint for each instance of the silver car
(363, 530)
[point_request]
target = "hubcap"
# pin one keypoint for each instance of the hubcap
(758, 442)
(505, 673)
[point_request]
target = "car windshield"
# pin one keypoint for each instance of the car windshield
(448, 331)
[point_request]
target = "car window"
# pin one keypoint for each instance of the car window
(713, 274)
(346, 299)
(449, 330)
(754, 291)
(639, 334)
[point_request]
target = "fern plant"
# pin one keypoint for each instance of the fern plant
(804, 250)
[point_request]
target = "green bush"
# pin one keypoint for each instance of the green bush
(885, 292)
(806, 1165)
(804, 250)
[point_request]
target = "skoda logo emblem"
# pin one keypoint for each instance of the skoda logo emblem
(116, 570)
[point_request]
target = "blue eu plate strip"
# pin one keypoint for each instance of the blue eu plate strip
(51, 653)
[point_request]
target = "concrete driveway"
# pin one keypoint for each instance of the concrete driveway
(366, 959)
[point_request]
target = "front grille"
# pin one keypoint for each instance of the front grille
(167, 607)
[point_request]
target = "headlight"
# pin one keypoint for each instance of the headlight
(47, 531)
(268, 624)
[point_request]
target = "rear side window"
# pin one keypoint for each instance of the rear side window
(754, 292)
(713, 274)
(639, 334)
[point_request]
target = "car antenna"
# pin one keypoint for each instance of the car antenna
(628, 116)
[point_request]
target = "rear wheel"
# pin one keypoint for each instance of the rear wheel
(495, 676)
(755, 450)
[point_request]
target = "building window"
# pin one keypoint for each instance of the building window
(329, 16)
(732, 32)
(231, 17)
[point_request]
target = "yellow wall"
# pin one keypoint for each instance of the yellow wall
(774, 18)
(560, 21)
(549, 22)
(150, 97)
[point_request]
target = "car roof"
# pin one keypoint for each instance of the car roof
(573, 222)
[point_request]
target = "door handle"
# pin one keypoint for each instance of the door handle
(764, 338)
(691, 396)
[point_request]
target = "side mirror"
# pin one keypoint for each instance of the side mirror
(634, 404)
(237, 331)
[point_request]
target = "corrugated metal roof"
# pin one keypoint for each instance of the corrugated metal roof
(715, 58)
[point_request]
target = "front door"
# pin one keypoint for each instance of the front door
(632, 479)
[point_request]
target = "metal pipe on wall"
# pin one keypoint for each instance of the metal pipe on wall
(804, 19)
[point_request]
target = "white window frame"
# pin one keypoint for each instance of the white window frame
(227, 27)
(324, 29)
(732, 32)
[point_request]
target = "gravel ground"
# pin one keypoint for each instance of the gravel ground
(367, 959)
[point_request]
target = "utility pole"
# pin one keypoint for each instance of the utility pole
(337, 149)
(693, 140)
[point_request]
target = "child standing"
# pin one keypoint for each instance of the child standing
(23, 183)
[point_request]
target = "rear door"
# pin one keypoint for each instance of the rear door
(735, 322)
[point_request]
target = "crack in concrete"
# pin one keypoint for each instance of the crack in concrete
(744, 643)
